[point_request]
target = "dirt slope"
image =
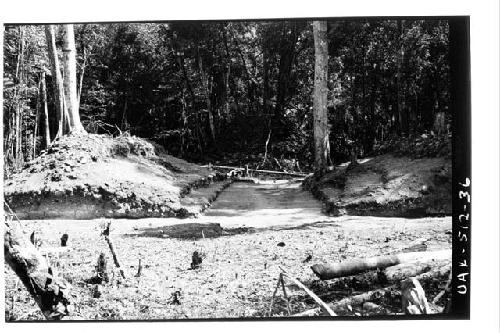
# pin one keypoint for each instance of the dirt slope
(89, 176)
(387, 185)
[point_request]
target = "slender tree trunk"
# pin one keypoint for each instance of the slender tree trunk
(227, 73)
(287, 56)
(199, 135)
(184, 122)
(205, 78)
(85, 55)
(45, 112)
(57, 83)
(69, 63)
(18, 114)
(37, 118)
(399, 79)
(250, 82)
(321, 130)
(17, 148)
(265, 97)
(265, 75)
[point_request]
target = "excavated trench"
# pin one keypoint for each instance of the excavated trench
(244, 207)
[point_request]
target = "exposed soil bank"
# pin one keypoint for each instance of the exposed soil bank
(387, 185)
(91, 176)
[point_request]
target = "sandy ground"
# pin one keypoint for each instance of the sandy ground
(238, 273)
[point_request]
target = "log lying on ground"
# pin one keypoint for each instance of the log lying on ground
(353, 267)
(422, 272)
(357, 300)
(434, 268)
(50, 293)
(343, 304)
(284, 173)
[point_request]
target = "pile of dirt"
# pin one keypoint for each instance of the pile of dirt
(86, 176)
(387, 185)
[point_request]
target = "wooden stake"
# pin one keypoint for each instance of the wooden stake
(139, 270)
(285, 294)
(274, 295)
(105, 233)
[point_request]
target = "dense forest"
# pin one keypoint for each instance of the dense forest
(212, 91)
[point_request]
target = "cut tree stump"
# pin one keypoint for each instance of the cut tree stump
(353, 267)
(50, 293)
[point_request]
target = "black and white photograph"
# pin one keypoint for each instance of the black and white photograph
(301, 168)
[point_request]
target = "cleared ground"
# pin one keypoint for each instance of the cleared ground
(239, 271)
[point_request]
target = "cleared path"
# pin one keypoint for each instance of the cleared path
(268, 203)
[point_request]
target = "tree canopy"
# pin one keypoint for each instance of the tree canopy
(206, 90)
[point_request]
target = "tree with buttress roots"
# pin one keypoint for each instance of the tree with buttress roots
(64, 85)
(49, 291)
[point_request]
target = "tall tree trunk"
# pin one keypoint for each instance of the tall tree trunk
(37, 118)
(57, 83)
(266, 96)
(250, 82)
(80, 84)
(18, 155)
(321, 130)
(399, 80)
(45, 112)
(69, 64)
(184, 123)
(287, 55)
(206, 83)
(199, 134)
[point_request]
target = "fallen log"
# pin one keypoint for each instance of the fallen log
(353, 267)
(357, 300)
(343, 305)
(422, 272)
(50, 293)
(434, 268)
(225, 167)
